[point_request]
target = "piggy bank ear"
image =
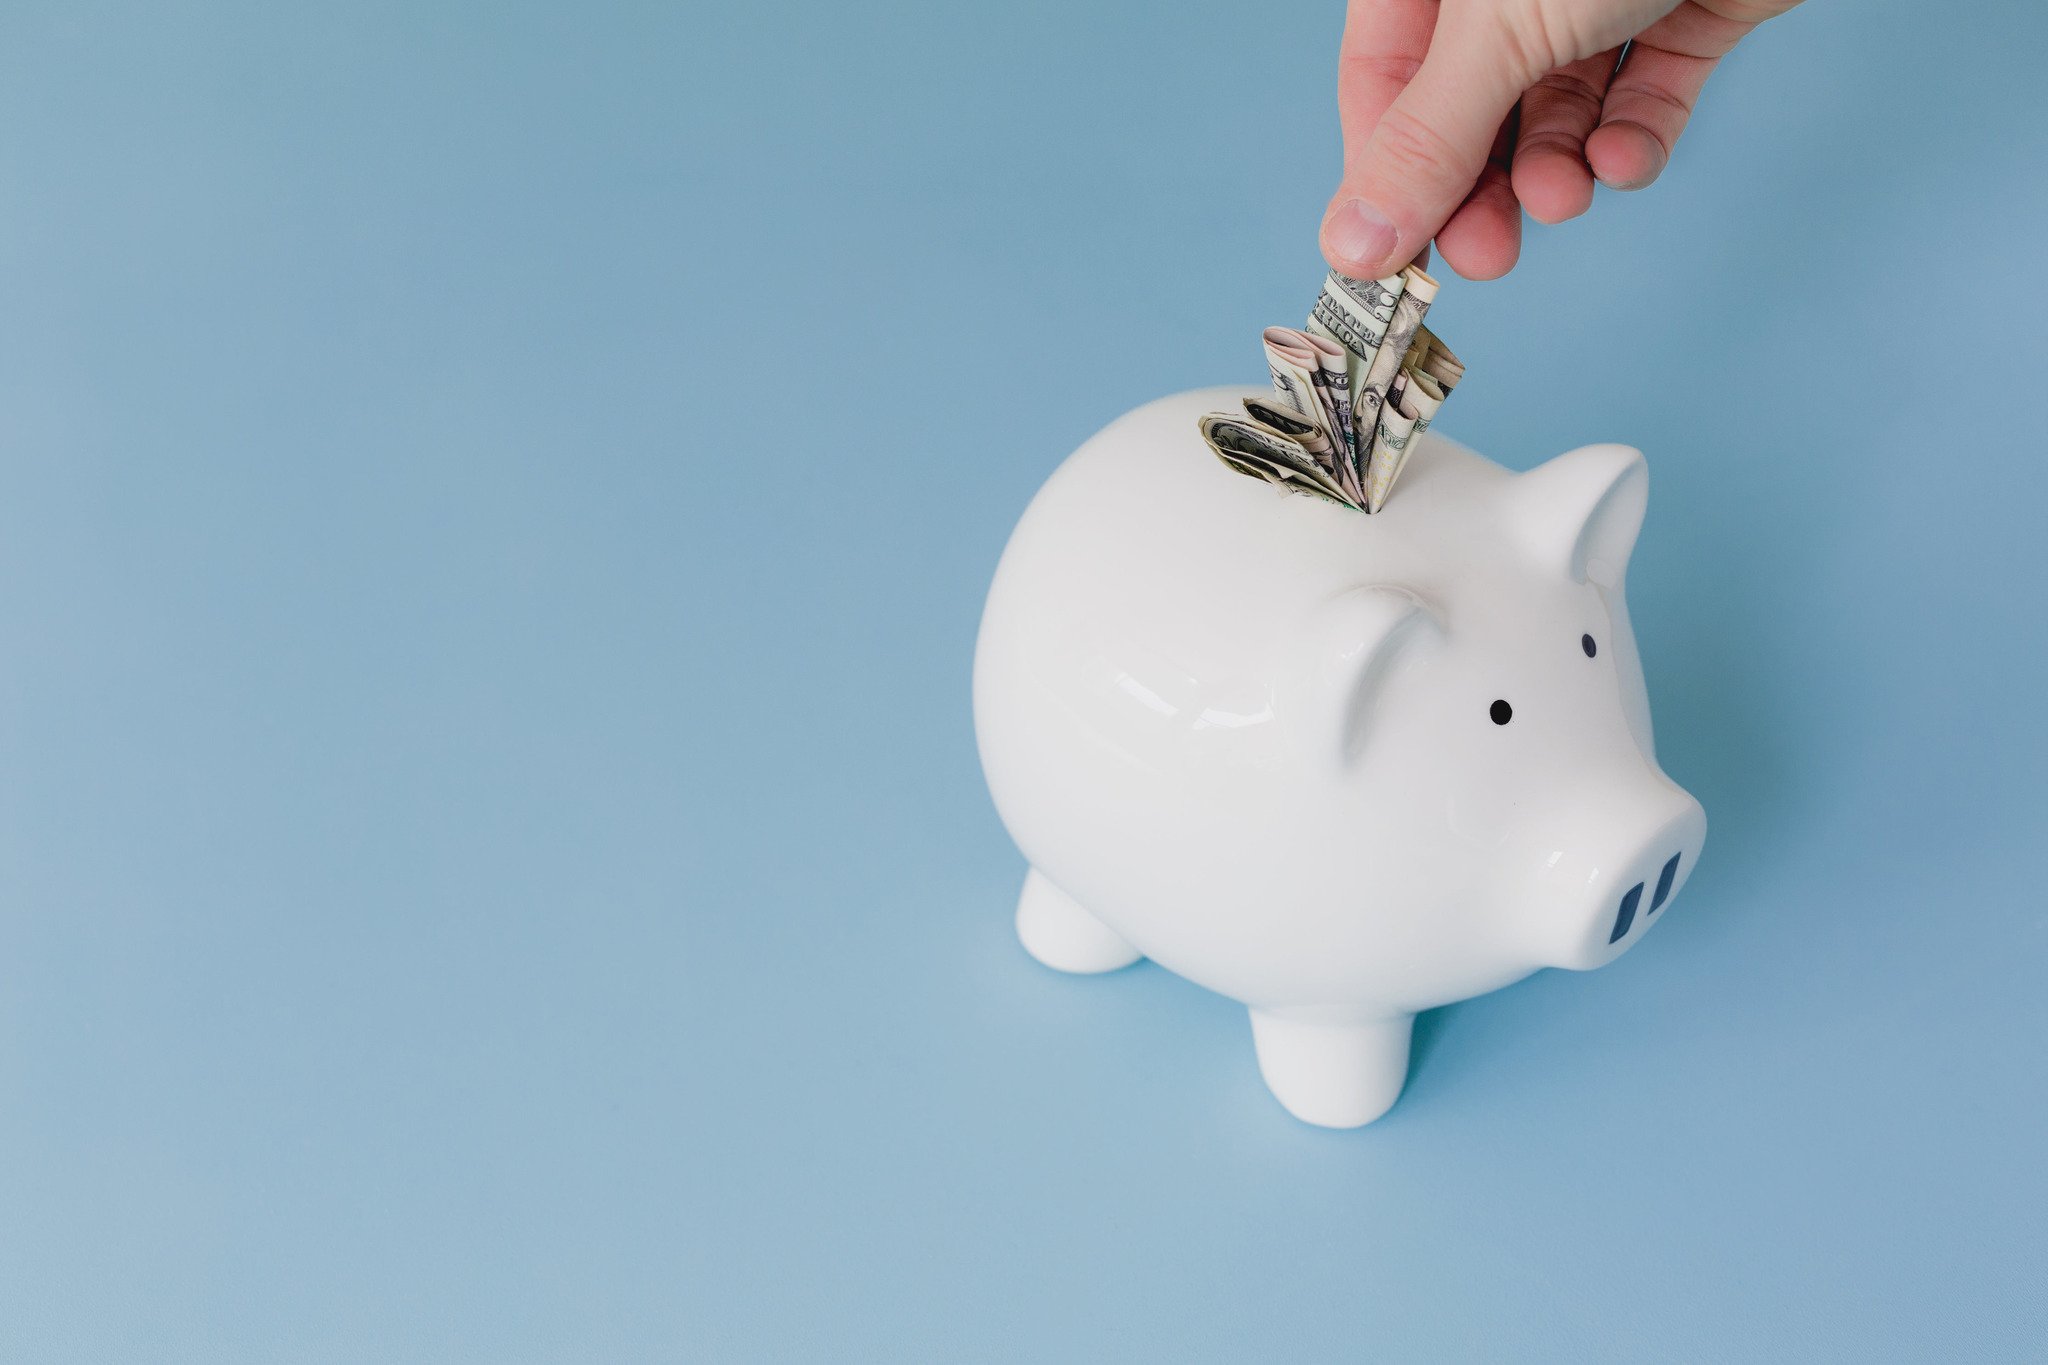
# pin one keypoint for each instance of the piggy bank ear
(1580, 512)
(1352, 644)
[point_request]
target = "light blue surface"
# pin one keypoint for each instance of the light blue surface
(494, 505)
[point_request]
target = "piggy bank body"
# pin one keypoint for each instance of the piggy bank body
(1341, 768)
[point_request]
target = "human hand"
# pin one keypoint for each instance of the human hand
(1459, 115)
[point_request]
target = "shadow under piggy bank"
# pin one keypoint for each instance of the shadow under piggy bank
(1341, 768)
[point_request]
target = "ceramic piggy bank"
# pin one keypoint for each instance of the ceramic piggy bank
(1338, 767)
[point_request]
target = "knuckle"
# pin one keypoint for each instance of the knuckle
(1657, 109)
(1548, 34)
(1567, 88)
(1546, 141)
(1657, 94)
(1747, 12)
(1534, 36)
(1392, 68)
(1413, 149)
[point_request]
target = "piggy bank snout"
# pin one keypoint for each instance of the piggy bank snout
(1638, 874)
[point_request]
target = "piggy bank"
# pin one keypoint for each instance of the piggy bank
(1340, 768)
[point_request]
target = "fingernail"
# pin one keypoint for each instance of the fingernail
(1359, 233)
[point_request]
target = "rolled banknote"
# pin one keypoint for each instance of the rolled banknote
(1244, 464)
(1296, 358)
(1390, 446)
(1282, 477)
(1290, 368)
(1268, 411)
(1333, 372)
(1433, 358)
(1252, 441)
(1419, 391)
(1425, 395)
(1417, 294)
(1354, 390)
(1304, 429)
(1243, 441)
(1355, 314)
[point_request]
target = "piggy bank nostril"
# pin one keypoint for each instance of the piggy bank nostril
(1627, 914)
(1664, 880)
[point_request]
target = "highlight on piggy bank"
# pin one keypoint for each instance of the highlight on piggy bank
(1339, 768)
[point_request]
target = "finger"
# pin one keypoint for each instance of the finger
(1654, 91)
(1483, 238)
(1550, 174)
(1646, 109)
(1427, 150)
(1383, 46)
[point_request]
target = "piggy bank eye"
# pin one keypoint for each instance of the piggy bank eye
(1586, 643)
(1501, 712)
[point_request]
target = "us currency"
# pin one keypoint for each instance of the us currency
(1354, 390)
(1414, 395)
(1425, 395)
(1386, 362)
(1355, 315)
(1241, 441)
(1282, 477)
(1290, 370)
(1246, 465)
(1288, 421)
(1305, 429)
(1391, 442)
(1430, 356)
(1301, 366)
(1334, 373)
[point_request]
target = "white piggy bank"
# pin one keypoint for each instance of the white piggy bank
(1340, 768)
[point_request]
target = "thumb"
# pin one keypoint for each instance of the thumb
(1427, 150)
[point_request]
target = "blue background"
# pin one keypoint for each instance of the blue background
(494, 510)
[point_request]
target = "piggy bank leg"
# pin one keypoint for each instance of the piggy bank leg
(1337, 1073)
(1062, 935)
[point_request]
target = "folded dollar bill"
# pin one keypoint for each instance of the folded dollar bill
(1353, 391)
